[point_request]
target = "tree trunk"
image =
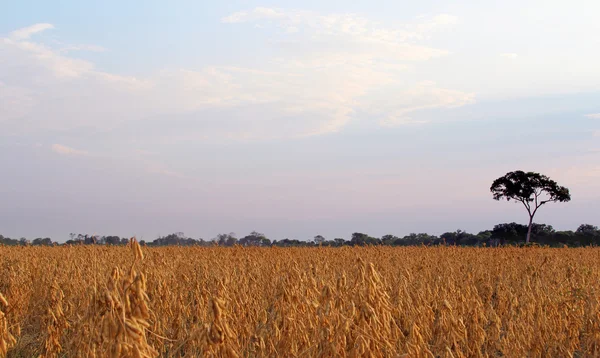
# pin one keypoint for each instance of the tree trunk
(529, 230)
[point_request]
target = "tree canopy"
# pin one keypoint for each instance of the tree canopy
(531, 189)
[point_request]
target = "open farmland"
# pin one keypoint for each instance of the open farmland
(299, 302)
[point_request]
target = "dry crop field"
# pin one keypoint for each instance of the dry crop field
(97, 301)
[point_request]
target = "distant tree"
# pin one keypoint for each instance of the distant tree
(90, 240)
(531, 189)
(587, 234)
(513, 232)
(424, 239)
(508, 232)
(588, 229)
(388, 239)
(231, 240)
(42, 241)
(339, 241)
(484, 236)
(288, 243)
(253, 239)
(466, 239)
(458, 237)
(319, 240)
(226, 239)
(8, 241)
(199, 242)
(112, 240)
(359, 238)
(177, 238)
(542, 230)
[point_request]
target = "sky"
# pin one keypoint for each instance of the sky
(293, 118)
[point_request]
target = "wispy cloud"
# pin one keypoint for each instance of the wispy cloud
(509, 55)
(327, 69)
(352, 28)
(593, 115)
(356, 55)
(26, 32)
(40, 56)
(64, 150)
(423, 96)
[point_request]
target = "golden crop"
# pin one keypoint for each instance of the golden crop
(98, 301)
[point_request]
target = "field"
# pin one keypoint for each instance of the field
(299, 302)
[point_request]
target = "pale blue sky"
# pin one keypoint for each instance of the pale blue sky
(292, 118)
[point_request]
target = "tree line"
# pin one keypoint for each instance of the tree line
(500, 235)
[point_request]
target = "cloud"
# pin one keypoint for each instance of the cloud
(356, 56)
(64, 150)
(328, 69)
(426, 95)
(352, 29)
(21, 54)
(27, 32)
(509, 55)
(593, 115)
(45, 88)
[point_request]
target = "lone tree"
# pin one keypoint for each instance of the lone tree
(531, 189)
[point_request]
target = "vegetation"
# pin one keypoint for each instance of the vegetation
(531, 189)
(101, 301)
(501, 234)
